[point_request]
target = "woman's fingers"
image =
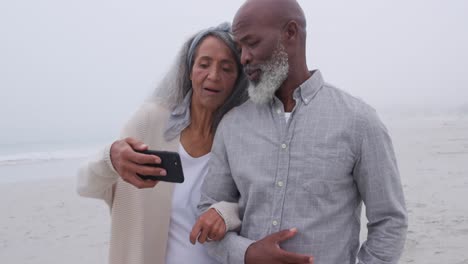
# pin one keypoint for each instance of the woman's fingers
(218, 228)
(195, 231)
(218, 231)
(210, 226)
(129, 163)
(146, 170)
(202, 238)
(140, 158)
(136, 144)
(138, 182)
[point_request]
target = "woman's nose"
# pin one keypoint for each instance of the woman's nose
(214, 74)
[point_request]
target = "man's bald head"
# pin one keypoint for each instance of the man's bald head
(272, 37)
(274, 13)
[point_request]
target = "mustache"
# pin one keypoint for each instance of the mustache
(250, 68)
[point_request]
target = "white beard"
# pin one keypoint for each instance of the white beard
(273, 73)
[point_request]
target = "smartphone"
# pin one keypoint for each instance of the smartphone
(170, 161)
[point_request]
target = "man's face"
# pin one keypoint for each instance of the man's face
(264, 58)
(257, 42)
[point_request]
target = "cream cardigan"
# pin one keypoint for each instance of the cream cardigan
(140, 218)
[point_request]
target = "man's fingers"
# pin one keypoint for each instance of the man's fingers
(195, 231)
(289, 257)
(284, 235)
(136, 144)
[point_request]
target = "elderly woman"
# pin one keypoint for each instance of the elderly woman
(152, 223)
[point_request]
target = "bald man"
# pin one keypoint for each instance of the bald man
(300, 157)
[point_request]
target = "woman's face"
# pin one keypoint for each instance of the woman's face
(213, 75)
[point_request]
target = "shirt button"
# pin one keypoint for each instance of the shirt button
(306, 100)
(283, 146)
(275, 223)
(280, 184)
(278, 111)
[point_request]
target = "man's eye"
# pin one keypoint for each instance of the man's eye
(253, 44)
(204, 65)
(227, 69)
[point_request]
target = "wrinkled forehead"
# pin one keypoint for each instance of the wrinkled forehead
(241, 29)
(244, 26)
(254, 18)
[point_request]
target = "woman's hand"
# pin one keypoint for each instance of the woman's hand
(210, 226)
(127, 162)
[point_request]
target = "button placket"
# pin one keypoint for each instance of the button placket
(282, 167)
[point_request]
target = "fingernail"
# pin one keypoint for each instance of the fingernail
(311, 260)
(157, 160)
(163, 173)
(293, 229)
(143, 146)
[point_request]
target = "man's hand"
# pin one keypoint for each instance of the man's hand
(268, 250)
(210, 226)
(127, 162)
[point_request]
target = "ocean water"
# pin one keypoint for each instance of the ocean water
(12, 154)
(37, 161)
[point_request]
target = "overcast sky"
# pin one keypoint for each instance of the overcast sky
(76, 70)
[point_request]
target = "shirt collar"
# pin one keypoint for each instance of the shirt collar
(310, 87)
(179, 118)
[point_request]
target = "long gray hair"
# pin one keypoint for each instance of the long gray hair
(173, 88)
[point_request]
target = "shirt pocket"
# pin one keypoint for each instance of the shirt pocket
(327, 164)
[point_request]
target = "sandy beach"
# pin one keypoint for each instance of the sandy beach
(433, 157)
(43, 220)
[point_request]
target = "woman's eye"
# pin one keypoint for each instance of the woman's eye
(204, 65)
(227, 69)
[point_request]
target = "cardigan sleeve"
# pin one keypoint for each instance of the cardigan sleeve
(97, 177)
(230, 214)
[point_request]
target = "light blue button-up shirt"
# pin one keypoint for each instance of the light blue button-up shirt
(312, 172)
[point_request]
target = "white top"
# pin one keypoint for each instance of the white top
(184, 212)
(287, 115)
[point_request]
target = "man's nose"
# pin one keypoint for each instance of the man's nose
(246, 57)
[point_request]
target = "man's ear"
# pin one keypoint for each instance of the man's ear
(291, 31)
